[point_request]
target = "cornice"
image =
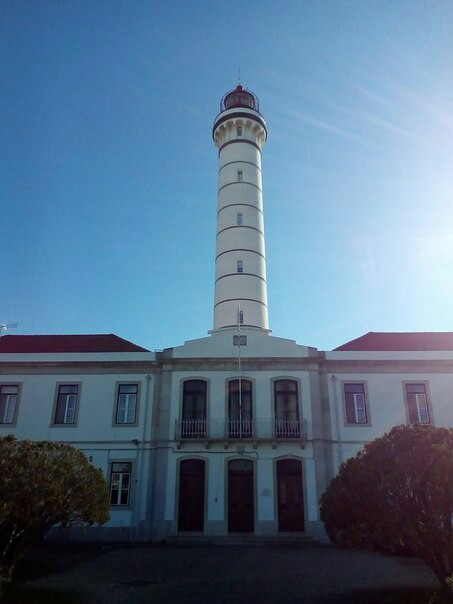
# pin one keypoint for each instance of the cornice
(247, 363)
(77, 367)
(388, 366)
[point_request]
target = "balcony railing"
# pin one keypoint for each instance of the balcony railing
(238, 428)
(192, 428)
(287, 429)
(229, 429)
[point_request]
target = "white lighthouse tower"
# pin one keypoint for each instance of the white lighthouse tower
(239, 132)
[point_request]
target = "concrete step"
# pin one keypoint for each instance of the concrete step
(296, 540)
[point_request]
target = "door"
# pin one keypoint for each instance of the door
(241, 509)
(290, 495)
(191, 495)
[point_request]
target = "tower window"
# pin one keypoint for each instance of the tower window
(239, 131)
(239, 219)
(241, 317)
(240, 266)
(240, 176)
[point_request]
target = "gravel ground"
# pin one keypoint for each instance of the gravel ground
(164, 574)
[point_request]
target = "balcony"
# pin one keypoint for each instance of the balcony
(229, 431)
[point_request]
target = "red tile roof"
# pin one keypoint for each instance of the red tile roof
(428, 340)
(67, 343)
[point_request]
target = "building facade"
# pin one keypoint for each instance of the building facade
(239, 432)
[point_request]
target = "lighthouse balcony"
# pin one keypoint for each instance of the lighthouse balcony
(228, 430)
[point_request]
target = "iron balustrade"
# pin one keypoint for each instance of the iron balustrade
(193, 428)
(233, 429)
(287, 429)
(240, 428)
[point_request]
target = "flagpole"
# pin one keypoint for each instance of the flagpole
(239, 368)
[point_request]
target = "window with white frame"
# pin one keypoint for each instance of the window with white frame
(194, 409)
(286, 404)
(417, 404)
(355, 403)
(239, 131)
(120, 483)
(126, 404)
(240, 266)
(239, 218)
(8, 403)
(66, 406)
(240, 408)
(240, 176)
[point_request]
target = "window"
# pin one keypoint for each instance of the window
(8, 403)
(240, 266)
(66, 407)
(194, 409)
(239, 131)
(120, 483)
(240, 176)
(355, 405)
(239, 340)
(241, 317)
(286, 401)
(126, 404)
(417, 404)
(240, 408)
(239, 219)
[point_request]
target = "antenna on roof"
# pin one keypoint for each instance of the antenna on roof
(6, 326)
(239, 75)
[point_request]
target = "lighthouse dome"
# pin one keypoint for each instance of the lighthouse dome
(239, 97)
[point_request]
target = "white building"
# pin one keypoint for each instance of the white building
(237, 432)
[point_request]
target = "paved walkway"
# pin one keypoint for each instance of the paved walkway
(163, 574)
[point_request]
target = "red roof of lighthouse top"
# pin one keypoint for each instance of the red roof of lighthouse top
(394, 341)
(67, 343)
(239, 97)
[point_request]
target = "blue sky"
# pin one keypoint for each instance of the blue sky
(108, 173)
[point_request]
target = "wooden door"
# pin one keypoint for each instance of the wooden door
(191, 495)
(241, 508)
(290, 495)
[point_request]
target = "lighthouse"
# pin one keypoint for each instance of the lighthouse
(239, 132)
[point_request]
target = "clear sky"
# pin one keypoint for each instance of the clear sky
(108, 173)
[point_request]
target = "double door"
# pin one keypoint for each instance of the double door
(191, 495)
(290, 496)
(241, 501)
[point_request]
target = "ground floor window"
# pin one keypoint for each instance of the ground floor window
(120, 483)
